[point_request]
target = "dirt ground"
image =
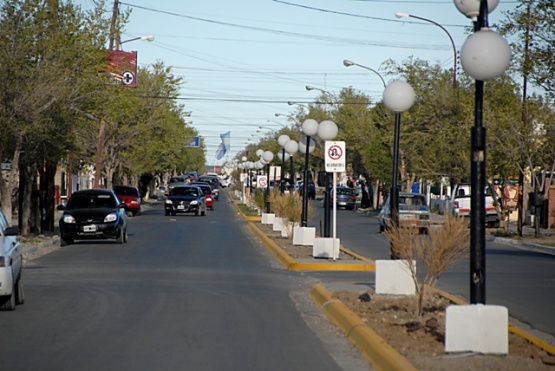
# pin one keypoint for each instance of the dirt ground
(421, 341)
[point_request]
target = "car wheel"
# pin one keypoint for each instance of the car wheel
(20, 295)
(197, 212)
(125, 236)
(166, 213)
(8, 302)
(65, 241)
(135, 213)
(173, 213)
(120, 237)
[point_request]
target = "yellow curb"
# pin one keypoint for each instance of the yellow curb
(540, 343)
(382, 355)
(291, 264)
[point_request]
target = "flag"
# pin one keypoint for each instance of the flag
(223, 148)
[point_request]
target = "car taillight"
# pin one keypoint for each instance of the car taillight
(352, 198)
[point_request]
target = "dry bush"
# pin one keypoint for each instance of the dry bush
(444, 246)
(278, 204)
(260, 198)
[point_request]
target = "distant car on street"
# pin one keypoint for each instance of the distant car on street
(345, 198)
(11, 266)
(413, 212)
(93, 214)
(130, 197)
(208, 195)
(185, 199)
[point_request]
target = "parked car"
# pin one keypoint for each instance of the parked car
(413, 212)
(459, 204)
(225, 180)
(345, 198)
(11, 265)
(207, 190)
(214, 182)
(130, 197)
(93, 214)
(185, 199)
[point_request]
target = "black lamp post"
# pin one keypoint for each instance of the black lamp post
(267, 156)
(484, 56)
(310, 128)
(282, 140)
(398, 97)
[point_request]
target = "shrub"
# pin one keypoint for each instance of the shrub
(444, 246)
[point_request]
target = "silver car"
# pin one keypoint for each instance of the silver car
(413, 212)
(11, 262)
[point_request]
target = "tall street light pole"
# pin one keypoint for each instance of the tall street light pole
(406, 15)
(485, 55)
(309, 128)
(398, 97)
(282, 140)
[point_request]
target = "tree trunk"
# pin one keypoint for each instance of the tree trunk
(47, 194)
(27, 182)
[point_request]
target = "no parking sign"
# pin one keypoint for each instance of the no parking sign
(335, 157)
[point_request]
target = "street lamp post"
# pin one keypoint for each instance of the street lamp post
(282, 139)
(309, 128)
(267, 156)
(291, 147)
(348, 63)
(327, 130)
(398, 97)
(485, 55)
(405, 15)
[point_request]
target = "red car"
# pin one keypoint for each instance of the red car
(131, 197)
(207, 190)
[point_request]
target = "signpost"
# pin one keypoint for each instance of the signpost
(334, 162)
(195, 142)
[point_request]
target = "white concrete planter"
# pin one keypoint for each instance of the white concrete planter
(325, 248)
(287, 230)
(394, 277)
(304, 236)
(267, 218)
(477, 328)
(278, 224)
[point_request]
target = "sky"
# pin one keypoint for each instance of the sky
(242, 61)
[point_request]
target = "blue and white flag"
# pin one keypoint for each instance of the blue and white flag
(223, 148)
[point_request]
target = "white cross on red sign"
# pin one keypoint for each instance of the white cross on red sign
(335, 157)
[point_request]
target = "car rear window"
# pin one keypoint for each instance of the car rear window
(127, 191)
(83, 201)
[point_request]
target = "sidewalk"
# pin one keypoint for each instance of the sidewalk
(376, 349)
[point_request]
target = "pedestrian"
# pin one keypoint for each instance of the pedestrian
(365, 201)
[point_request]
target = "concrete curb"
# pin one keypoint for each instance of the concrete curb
(374, 348)
(290, 263)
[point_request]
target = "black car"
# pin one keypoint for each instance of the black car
(185, 199)
(93, 214)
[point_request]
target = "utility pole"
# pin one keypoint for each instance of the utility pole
(99, 146)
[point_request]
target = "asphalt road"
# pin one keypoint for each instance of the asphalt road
(186, 293)
(517, 277)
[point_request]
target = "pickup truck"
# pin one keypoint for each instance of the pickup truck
(459, 204)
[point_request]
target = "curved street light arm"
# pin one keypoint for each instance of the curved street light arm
(348, 63)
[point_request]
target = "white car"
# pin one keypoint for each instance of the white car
(11, 262)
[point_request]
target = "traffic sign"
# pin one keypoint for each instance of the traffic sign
(335, 157)
(261, 181)
(195, 142)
